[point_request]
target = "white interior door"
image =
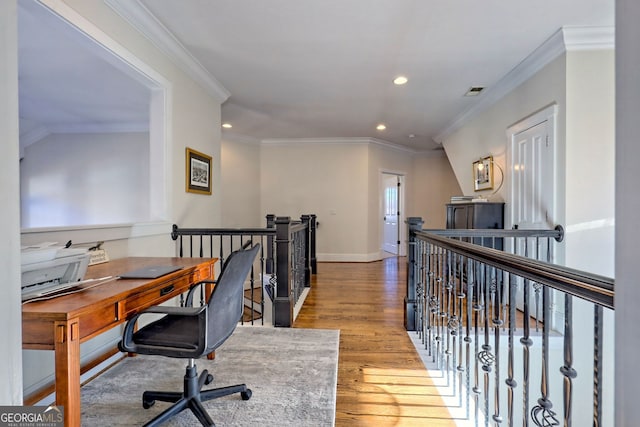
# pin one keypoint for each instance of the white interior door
(532, 190)
(391, 213)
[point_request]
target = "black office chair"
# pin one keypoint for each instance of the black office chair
(191, 332)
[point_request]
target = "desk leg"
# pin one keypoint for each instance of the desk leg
(67, 355)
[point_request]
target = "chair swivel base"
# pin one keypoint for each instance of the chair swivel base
(191, 398)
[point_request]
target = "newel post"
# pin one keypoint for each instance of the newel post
(306, 220)
(413, 224)
(314, 225)
(268, 265)
(283, 302)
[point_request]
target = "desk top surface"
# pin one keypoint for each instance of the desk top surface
(114, 290)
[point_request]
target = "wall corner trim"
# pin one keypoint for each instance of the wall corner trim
(140, 18)
(563, 40)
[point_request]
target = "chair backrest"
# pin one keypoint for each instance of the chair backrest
(226, 304)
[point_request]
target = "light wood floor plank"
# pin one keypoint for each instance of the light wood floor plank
(381, 379)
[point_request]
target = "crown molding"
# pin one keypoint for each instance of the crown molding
(239, 138)
(338, 141)
(33, 135)
(98, 127)
(589, 38)
(563, 40)
(140, 18)
(325, 141)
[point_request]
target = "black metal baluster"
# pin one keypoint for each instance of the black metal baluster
(511, 383)
(446, 314)
(476, 338)
(542, 414)
(429, 295)
(526, 342)
(437, 310)
(454, 322)
(537, 287)
(567, 370)
(461, 296)
(598, 332)
(497, 323)
(467, 338)
(420, 258)
(486, 356)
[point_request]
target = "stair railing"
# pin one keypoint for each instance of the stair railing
(493, 322)
(283, 269)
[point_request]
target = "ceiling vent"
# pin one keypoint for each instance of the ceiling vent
(474, 91)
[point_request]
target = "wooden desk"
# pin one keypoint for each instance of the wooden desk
(62, 323)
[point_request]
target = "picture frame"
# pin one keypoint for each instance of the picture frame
(198, 172)
(483, 174)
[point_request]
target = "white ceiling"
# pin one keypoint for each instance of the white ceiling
(324, 69)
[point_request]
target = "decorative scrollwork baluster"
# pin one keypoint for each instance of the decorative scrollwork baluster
(543, 414)
(567, 369)
(510, 381)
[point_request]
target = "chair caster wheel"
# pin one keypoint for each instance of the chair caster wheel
(246, 395)
(209, 379)
(146, 404)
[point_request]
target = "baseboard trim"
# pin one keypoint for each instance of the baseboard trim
(374, 256)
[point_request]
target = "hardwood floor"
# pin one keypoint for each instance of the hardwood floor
(381, 380)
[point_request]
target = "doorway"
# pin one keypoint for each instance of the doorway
(392, 199)
(532, 186)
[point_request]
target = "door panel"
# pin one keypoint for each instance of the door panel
(390, 213)
(532, 194)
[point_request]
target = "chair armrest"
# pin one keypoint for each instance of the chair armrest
(189, 300)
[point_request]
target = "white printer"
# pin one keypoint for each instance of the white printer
(48, 268)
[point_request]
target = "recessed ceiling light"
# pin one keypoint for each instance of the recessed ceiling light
(227, 125)
(474, 91)
(400, 80)
(381, 127)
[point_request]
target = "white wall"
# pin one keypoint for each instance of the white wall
(328, 179)
(433, 185)
(627, 337)
(486, 133)
(589, 162)
(10, 307)
(240, 176)
(340, 181)
(85, 179)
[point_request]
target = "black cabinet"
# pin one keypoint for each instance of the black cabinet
(477, 215)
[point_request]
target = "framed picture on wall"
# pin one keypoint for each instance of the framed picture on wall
(198, 170)
(483, 174)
